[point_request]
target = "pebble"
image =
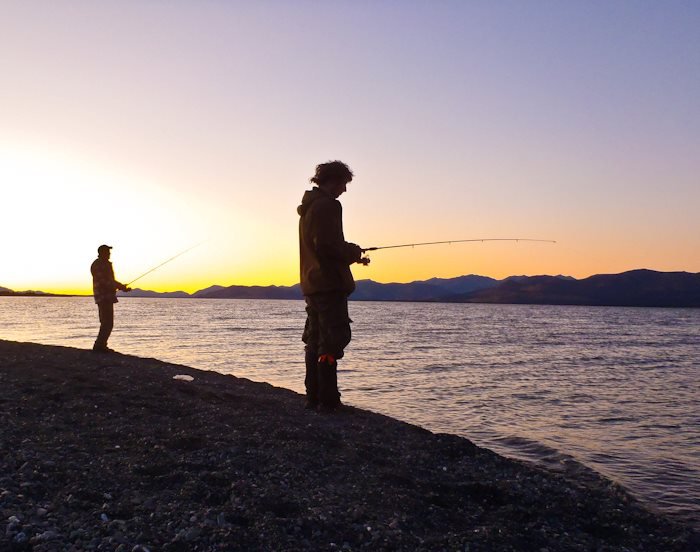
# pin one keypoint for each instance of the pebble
(48, 535)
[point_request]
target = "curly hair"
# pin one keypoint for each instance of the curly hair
(333, 170)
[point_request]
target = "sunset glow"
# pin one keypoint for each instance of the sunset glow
(154, 126)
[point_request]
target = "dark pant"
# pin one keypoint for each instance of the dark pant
(106, 311)
(327, 330)
(327, 333)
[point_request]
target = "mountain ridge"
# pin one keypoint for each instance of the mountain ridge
(366, 290)
(637, 288)
(7, 292)
(634, 288)
(640, 287)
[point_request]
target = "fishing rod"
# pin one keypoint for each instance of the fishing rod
(164, 263)
(454, 241)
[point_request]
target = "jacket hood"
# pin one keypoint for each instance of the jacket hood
(309, 197)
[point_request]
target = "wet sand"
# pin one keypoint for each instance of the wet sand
(109, 452)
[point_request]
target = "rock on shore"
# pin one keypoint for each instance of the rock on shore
(109, 452)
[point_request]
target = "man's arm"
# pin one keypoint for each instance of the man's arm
(328, 235)
(104, 277)
(121, 286)
(115, 283)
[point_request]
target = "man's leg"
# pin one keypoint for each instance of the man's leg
(329, 395)
(334, 336)
(106, 311)
(310, 338)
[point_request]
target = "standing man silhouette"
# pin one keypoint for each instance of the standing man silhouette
(326, 282)
(104, 288)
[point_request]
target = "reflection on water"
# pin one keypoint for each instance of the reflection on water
(617, 389)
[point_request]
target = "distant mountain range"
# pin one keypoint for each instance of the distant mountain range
(4, 292)
(638, 288)
(643, 288)
(367, 290)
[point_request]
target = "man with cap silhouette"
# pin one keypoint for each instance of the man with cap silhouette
(104, 288)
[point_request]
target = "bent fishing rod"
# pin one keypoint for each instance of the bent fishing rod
(454, 241)
(164, 263)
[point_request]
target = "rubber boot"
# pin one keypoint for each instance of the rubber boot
(329, 396)
(334, 384)
(311, 380)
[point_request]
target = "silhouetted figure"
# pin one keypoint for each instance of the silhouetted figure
(104, 288)
(326, 282)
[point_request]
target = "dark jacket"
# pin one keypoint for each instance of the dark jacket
(325, 256)
(104, 286)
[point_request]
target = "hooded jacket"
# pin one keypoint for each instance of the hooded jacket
(325, 256)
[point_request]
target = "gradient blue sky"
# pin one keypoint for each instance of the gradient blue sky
(153, 125)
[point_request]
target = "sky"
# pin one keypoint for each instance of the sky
(155, 125)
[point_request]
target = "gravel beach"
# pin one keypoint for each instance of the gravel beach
(109, 452)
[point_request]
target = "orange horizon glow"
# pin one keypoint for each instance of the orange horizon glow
(289, 277)
(249, 250)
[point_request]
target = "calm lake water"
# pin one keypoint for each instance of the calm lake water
(616, 389)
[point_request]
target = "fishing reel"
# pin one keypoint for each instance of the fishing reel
(365, 260)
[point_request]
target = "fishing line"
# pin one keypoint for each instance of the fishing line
(164, 263)
(454, 241)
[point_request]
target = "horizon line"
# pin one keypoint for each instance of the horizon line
(86, 293)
